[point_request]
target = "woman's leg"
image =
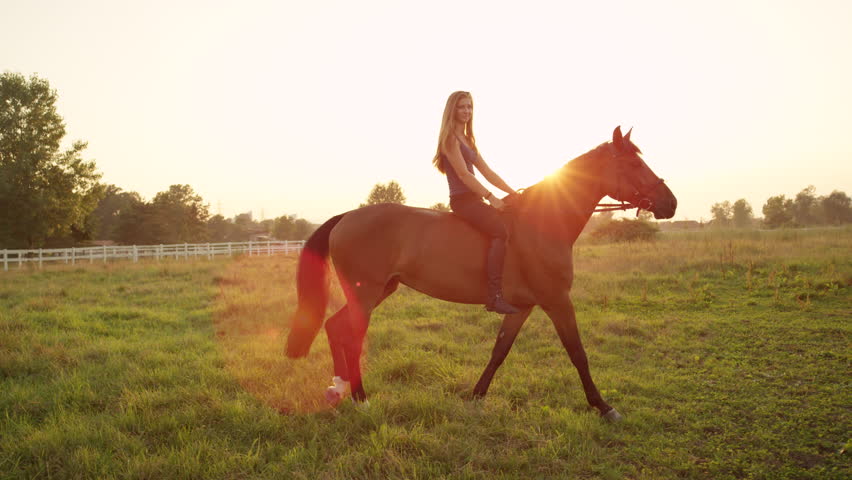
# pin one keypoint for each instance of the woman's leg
(486, 219)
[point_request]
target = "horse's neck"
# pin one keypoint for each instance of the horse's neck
(573, 196)
(581, 195)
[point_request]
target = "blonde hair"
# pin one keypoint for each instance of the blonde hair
(448, 123)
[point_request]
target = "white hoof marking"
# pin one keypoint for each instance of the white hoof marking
(334, 394)
(613, 416)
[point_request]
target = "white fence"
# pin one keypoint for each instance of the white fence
(135, 252)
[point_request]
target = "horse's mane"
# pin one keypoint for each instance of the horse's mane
(571, 167)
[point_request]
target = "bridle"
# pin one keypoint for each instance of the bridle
(641, 193)
(641, 198)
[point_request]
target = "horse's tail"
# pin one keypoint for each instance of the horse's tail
(312, 286)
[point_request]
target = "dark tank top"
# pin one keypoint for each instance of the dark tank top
(457, 187)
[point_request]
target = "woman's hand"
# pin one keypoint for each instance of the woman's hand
(496, 202)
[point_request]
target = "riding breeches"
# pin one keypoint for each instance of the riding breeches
(479, 215)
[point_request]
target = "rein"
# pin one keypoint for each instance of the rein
(644, 203)
(610, 207)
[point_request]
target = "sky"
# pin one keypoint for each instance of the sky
(301, 107)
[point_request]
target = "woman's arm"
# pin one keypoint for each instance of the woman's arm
(492, 176)
(456, 161)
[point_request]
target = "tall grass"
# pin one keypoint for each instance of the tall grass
(727, 352)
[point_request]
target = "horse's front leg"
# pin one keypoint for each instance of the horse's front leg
(565, 320)
(508, 331)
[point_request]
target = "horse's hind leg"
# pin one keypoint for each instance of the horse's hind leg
(362, 299)
(338, 331)
(508, 331)
(345, 338)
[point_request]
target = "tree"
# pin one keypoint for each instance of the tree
(626, 230)
(721, 214)
(43, 191)
(778, 212)
(597, 221)
(837, 208)
(106, 217)
(302, 229)
(139, 226)
(645, 215)
(181, 215)
(267, 225)
(218, 229)
(291, 227)
(390, 193)
(441, 207)
(741, 214)
(805, 207)
(244, 226)
(283, 227)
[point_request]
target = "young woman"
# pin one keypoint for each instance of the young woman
(457, 155)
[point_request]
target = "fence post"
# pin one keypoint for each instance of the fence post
(230, 254)
(105, 255)
(73, 256)
(250, 248)
(39, 259)
(185, 251)
(5, 261)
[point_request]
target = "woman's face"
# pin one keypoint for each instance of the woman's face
(464, 110)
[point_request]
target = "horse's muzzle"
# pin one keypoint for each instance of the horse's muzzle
(665, 208)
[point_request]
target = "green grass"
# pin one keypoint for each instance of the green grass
(727, 352)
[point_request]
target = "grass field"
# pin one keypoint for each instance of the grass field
(727, 352)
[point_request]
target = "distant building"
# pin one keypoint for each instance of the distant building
(680, 225)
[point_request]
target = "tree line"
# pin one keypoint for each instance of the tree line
(53, 197)
(805, 210)
(179, 215)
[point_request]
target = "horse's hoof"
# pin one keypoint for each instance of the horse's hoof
(332, 396)
(363, 406)
(613, 416)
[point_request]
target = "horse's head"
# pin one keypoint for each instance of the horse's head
(628, 179)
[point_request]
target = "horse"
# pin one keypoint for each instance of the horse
(377, 247)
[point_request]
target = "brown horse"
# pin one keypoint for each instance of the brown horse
(375, 248)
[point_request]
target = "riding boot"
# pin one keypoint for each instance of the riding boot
(494, 268)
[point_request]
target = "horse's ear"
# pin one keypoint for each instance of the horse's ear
(617, 139)
(627, 137)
